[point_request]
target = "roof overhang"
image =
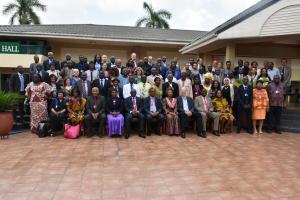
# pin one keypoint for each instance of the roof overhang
(93, 38)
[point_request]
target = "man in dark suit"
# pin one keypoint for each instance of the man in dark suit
(186, 109)
(153, 110)
(133, 109)
(244, 104)
(17, 84)
(170, 84)
(39, 70)
(68, 61)
(82, 66)
(115, 85)
(102, 84)
(84, 86)
(46, 63)
(95, 108)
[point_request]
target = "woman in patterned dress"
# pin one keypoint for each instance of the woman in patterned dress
(75, 106)
(226, 117)
(170, 108)
(38, 92)
(260, 105)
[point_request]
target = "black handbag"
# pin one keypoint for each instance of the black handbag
(43, 130)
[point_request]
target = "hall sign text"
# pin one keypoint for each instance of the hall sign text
(9, 47)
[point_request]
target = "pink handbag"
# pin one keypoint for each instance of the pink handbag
(72, 132)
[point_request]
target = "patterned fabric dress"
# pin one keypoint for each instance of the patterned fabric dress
(170, 107)
(77, 106)
(38, 94)
(221, 106)
(260, 104)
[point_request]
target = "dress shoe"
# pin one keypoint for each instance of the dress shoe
(204, 134)
(142, 135)
(278, 132)
(158, 133)
(183, 134)
(216, 133)
(238, 131)
(126, 136)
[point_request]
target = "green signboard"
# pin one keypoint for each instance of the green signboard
(9, 47)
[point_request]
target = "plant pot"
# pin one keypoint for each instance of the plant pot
(6, 123)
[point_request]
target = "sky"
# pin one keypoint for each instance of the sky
(186, 14)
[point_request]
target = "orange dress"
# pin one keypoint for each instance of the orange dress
(260, 104)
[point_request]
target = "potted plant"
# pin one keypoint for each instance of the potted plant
(8, 101)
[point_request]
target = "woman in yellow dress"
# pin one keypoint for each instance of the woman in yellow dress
(75, 106)
(260, 106)
(157, 87)
(226, 117)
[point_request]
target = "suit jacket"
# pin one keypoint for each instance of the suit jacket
(81, 66)
(15, 83)
(199, 104)
(120, 92)
(44, 75)
(175, 87)
(128, 105)
(79, 85)
(147, 105)
(190, 102)
(244, 96)
(46, 64)
(103, 90)
(286, 75)
(95, 107)
(114, 107)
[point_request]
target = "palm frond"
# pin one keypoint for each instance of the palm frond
(8, 8)
(33, 16)
(148, 7)
(164, 13)
(12, 18)
(164, 24)
(142, 20)
(37, 4)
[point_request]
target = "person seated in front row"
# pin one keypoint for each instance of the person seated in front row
(221, 106)
(76, 107)
(185, 107)
(95, 107)
(153, 110)
(204, 106)
(57, 114)
(133, 109)
(115, 120)
(170, 108)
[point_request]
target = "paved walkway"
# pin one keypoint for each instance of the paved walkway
(159, 167)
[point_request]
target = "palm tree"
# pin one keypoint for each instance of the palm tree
(154, 19)
(23, 10)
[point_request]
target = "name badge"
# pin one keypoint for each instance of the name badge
(276, 92)
(246, 94)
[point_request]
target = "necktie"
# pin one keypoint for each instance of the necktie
(205, 104)
(134, 109)
(131, 86)
(91, 75)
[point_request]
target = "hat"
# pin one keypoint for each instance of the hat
(208, 76)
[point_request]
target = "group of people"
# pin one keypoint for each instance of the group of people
(160, 97)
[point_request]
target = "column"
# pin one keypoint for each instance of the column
(230, 53)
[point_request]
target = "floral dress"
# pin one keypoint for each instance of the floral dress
(77, 106)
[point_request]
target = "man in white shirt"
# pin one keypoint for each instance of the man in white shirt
(130, 86)
(92, 73)
(272, 71)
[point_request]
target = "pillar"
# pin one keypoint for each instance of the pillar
(230, 53)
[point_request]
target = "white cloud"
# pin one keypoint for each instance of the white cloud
(187, 14)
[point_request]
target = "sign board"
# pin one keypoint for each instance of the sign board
(9, 47)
